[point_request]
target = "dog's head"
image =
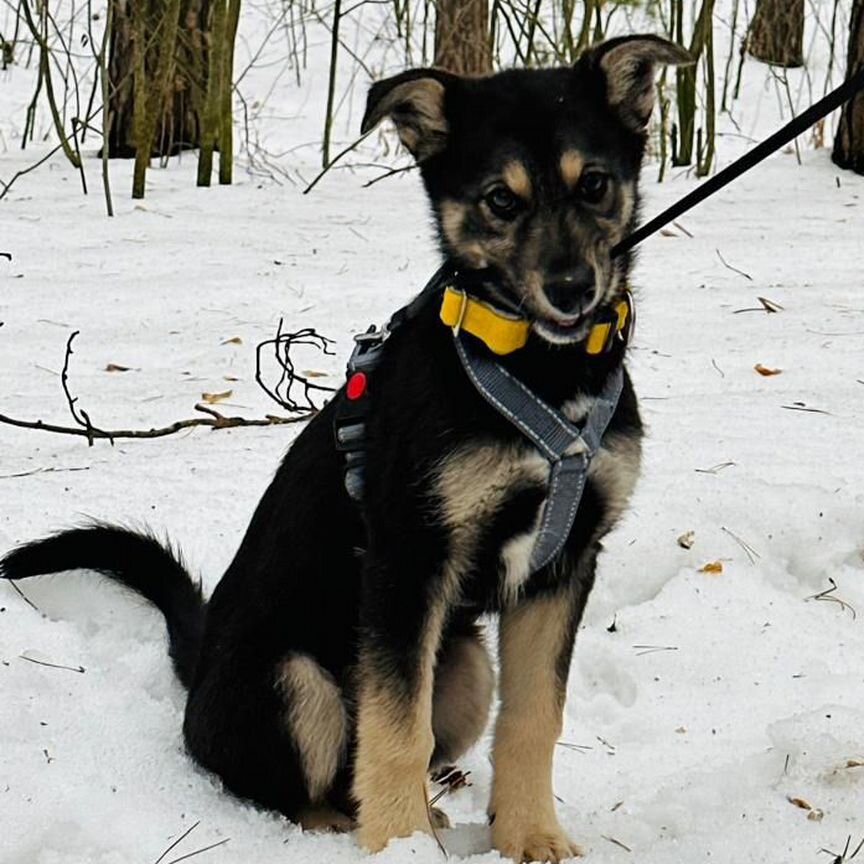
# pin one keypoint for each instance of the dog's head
(532, 174)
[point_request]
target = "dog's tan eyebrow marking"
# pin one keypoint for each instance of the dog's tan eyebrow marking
(516, 176)
(571, 164)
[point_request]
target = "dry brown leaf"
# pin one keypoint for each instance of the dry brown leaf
(855, 763)
(687, 539)
(764, 370)
(311, 373)
(234, 340)
(665, 232)
(230, 378)
(815, 815)
(800, 802)
(712, 567)
(213, 398)
(116, 367)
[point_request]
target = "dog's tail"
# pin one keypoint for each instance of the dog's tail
(138, 561)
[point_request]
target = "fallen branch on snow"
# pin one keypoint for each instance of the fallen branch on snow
(86, 429)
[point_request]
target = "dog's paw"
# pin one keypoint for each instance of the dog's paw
(547, 845)
(375, 833)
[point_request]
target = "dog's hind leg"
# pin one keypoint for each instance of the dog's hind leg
(462, 697)
(536, 640)
(251, 720)
(317, 721)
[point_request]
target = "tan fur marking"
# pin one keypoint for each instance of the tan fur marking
(464, 682)
(531, 638)
(317, 720)
(516, 176)
(453, 214)
(615, 470)
(628, 203)
(472, 482)
(571, 164)
(325, 818)
(394, 746)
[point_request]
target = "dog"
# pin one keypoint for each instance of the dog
(341, 658)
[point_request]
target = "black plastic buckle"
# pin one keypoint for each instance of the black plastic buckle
(349, 422)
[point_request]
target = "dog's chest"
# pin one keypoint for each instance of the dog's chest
(492, 497)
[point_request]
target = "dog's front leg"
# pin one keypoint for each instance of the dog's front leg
(402, 620)
(535, 643)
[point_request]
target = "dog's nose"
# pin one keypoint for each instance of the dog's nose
(571, 291)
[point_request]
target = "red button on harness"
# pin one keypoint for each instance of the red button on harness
(356, 386)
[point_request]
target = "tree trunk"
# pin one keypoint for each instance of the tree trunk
(178, 125)
(776, 34)
(462, 36)
(849, 143)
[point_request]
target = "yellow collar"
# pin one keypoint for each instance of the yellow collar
(504, 333)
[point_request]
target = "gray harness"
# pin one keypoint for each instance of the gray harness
(567, 447)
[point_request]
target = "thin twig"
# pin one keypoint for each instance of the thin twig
(828, 595)
(41, 471)
(714, 469)
(751, 553)
(617, 843)
(282, 344)
(575, 748)
(334, 160)
(767, 306)
(728, 266)
(199, 851)
(24, 597)
(84, 419)
(178, 841)
(799, 406)
(652, 649)
(79, 669)
(429, 816)
(404, 169)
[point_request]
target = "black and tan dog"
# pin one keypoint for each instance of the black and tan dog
(340, 655)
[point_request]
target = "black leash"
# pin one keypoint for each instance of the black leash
(792, 129)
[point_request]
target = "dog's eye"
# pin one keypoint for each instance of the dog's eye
(593, 186)
(502, 202)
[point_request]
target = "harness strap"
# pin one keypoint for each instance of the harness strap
(353, 405)
(568, 448)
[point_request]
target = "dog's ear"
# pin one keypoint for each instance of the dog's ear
(628, 64)
(414, 101)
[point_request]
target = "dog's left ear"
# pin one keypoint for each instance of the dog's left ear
(629, 64)
(415, 102)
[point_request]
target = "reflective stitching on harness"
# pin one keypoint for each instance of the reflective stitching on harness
(530, 415)
(551, 454)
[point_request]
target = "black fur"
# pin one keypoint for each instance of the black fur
(313, 576)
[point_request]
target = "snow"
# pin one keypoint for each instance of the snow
(713, 700)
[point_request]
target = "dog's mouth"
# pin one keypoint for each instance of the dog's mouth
(548, 323)
(562, 331)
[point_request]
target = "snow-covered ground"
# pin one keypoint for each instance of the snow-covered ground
(716, 697)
